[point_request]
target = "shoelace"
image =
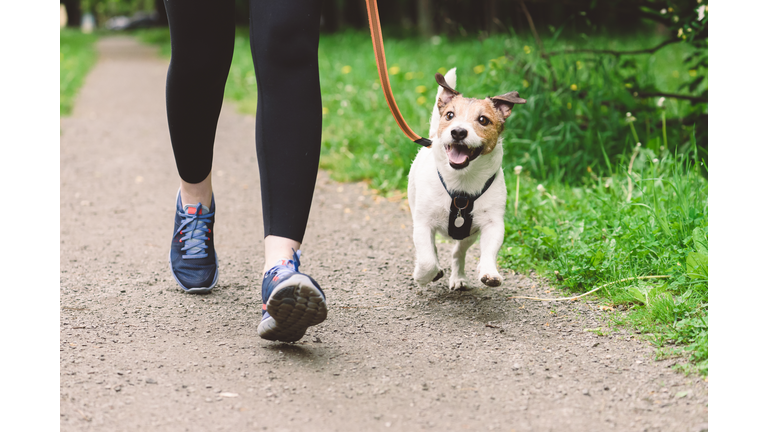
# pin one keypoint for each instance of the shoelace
(196, 234)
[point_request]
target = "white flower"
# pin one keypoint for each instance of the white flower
(663, 11)
(638, 144)
(660, 103)
(518, 170)
(540, 188)
(629, 114)
(655, 160)
(700, 10)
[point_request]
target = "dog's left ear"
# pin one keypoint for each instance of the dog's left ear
(506, 102)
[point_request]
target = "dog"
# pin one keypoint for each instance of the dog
(456, 186)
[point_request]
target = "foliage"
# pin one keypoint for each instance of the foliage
(557, 134)
(77, 55)
(588, 235)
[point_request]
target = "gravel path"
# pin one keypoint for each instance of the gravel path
(137, 354)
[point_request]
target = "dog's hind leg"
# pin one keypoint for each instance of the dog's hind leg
(490, 243)
(427, 267)
(458, 280)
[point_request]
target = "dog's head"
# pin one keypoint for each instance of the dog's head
(470, 127)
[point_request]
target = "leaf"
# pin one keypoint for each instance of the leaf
(697, 265)
(692, 86)
(700, 241)
(637, 294)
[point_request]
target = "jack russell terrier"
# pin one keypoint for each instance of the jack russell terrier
(456, 187)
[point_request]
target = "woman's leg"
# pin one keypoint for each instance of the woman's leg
(284, 41)
(202, 42)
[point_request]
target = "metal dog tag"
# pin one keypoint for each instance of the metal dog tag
(459, 221)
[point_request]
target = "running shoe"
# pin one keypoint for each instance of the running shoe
(193, 259)
(292, 302)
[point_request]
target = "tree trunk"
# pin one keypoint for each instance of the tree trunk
(426, 18)
(74, 14)
(491, 16)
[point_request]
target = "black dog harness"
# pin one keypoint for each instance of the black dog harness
(460, 217)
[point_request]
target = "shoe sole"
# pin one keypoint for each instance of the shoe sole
(198, 290)
(294, 305)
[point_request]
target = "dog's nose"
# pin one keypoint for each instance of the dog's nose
(459, 134)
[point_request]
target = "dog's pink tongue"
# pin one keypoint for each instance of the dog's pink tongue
(458, 154)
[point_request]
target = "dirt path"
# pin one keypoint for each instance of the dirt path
(137, 354)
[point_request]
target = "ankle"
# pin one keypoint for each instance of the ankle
(194, 193)
(278, 248)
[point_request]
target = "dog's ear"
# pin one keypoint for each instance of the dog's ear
(447, 94)
(504, 103)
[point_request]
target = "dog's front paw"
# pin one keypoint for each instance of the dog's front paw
(491, 280)
(425, 275)
(459, 283)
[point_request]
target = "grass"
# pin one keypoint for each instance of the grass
(575, 138)
(77, 56)
(587, 235)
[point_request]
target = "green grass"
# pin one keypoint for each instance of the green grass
(591, 235)
(77, 56)
(573, 138)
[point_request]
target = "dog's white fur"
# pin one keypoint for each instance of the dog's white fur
(430, 203)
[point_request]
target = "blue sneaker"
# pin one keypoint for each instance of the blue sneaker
(292, 301)
(193, 259)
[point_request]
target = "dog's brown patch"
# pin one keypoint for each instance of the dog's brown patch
(475, 112)
(486, 116)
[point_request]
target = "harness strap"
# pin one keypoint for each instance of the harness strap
(381, 64)
(462, 205)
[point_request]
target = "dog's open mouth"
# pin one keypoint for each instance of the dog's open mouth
(460, 155)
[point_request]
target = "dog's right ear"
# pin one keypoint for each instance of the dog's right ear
(447, 94)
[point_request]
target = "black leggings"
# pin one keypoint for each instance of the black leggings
(284, 41)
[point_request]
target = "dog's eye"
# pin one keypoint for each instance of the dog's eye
(449, 116)
(483, 120)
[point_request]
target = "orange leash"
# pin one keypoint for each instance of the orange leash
(381, 64)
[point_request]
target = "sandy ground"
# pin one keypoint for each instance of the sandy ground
(138, 354)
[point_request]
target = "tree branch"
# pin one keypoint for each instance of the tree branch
(531, 24)
(615, 53)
